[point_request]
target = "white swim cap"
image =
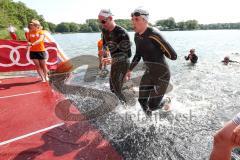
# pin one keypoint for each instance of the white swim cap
(105, 13)
(141, 12)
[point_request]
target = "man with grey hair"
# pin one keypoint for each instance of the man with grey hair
(152, 47)
(117, 40)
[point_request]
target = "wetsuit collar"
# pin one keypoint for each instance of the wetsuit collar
(114, 26)
(145, 32)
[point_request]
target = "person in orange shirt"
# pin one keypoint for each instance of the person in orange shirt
(103, 55)
(37, 48)
(100, 52)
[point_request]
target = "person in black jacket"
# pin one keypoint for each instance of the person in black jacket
(192, 56)
(152, 48)
(117, 40)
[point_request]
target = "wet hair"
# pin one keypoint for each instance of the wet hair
(226, 58)
(192, 50)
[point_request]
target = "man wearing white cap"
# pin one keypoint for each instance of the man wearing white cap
(117, 40)
(152, 47)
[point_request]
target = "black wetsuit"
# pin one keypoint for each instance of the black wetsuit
(194, 58)
(118, 42)
(228, 61)
(152, 47)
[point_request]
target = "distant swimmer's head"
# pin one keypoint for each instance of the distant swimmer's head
(192, 50)
(226, 60)
(105, 18)
(140, 19)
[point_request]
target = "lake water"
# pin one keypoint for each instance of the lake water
(204, 97)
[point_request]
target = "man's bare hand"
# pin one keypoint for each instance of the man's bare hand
(128, 76)
(236, 136)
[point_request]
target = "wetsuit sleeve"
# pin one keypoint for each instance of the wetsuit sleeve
(136, 58)
(233, 61)
(167, 49)
(126, 45)
(187, 57)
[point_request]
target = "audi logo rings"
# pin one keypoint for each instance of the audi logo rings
(16, 61)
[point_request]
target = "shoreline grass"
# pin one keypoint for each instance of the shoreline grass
(4, 34)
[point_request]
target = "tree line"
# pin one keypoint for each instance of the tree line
(92, 25)
(170, 24)
(18, 14)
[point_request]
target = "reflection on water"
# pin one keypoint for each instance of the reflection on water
(204, 97)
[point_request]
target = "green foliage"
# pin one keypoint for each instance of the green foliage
(181, 26)
(74, 27)
(63, 27)
(125, 23)
(85, 28)
(166, 24)
(221, 26)
(170, 24)
(51, 26)
(18, 15)
(20, 34)
(192, 24)
(93, 24)
(4, 34)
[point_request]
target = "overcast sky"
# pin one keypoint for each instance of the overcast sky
(205, 11)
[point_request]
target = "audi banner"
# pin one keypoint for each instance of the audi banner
(14, 56)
